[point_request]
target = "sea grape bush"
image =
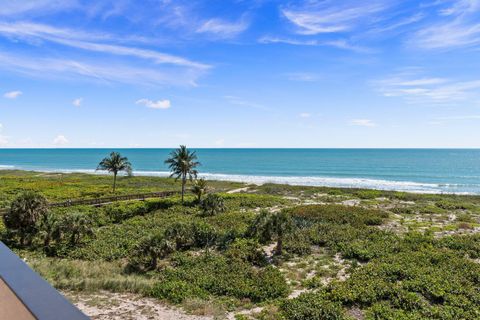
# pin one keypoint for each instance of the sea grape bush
(217, 275)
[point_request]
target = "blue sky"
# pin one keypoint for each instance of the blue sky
(260, 73)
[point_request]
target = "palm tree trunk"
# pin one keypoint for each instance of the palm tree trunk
(114, 181)
(184, 181)
(46, 242)
(154, 262)
(279, 248)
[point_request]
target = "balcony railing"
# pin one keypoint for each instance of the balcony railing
(24, 295)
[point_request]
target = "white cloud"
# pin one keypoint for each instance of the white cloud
(9, 7)
(305, 115)
(427, 90)
(81, 40)
(71, 69)
(77, 102)
(60, 140)
(12, 94)
(339, 43)
(362, 123)
(222, 28)
(458, 26)
(159, 104)
(332, 16)
(470, 117)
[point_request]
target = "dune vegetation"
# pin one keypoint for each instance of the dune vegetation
(257, 252)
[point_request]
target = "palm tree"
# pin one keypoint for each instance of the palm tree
(272, 225)
(25, 211)
(282, 223)
(115, 163)
(154, 247)
(49, 229)
(182, 164)
(212, 205)
(78, 225)
(199, 189)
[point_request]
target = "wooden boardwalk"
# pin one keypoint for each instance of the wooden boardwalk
(105, 200)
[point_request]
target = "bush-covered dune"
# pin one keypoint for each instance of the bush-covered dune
(284, 252)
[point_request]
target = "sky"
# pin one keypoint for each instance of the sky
(239, 73)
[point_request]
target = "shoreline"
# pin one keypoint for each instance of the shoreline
(306, 181)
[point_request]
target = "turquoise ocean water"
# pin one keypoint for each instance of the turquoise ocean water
(416, 170)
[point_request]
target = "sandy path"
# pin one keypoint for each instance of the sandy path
(239, 190)
(125, 306)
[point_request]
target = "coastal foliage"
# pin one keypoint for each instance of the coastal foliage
(354, 261)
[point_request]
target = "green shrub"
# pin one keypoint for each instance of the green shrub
(177, 291)
(298, 243)
(312, 306)
(246, 250)
(220, 277)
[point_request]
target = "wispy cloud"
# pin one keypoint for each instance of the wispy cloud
(427, 90)
(468, 117)
(9, 7)
(76, 39)
(159, 104)
(98, 71)
(12, 94)
(339, 43)
(362, 123)
(316, 17)
(449, 119)
(244, 103)
(223, 29)
(458, 25)
(77, 102)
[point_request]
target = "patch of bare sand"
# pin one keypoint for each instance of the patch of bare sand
(126, 306)
(239, 190)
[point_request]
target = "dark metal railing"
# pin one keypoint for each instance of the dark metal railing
(34, 294)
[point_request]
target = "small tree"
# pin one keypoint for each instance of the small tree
(199, 189)
(181, 234)
(24, 214)
(49, 230)
(77, 225)
(154, 248)
(115, 163)
(182, 164)
(268, 226)
(212, 205)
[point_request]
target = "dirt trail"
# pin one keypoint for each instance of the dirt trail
(126, 306)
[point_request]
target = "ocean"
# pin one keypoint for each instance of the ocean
(413, 170)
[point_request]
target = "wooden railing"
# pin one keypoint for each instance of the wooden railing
(105, 200)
